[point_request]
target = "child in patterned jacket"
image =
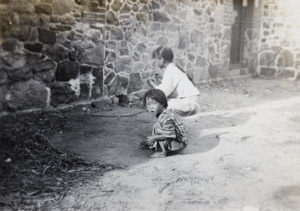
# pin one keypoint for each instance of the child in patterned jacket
(168, 134)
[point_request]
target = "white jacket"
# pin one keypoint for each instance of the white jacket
(175, 83)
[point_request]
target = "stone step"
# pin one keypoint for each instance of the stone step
(93, 21)
(93, 15)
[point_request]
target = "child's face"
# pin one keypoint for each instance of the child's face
(159, 62)
(154, 107)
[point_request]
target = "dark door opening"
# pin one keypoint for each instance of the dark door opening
(237, 35)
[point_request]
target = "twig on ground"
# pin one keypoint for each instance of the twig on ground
(180, 178)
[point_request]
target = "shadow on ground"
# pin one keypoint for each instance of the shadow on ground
(114, 136)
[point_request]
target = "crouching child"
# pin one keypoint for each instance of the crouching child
(168, 134)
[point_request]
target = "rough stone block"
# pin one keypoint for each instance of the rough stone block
(55, 18)
(160, 17)
(124, 51)
(116, 34)
(111, 18)
(141, 47)
(84, 91)
(67, 19)
(67, 70)
(46, 36)
(85, 69)
(34, 47)
(8, 120)
(109, 78)
(163, 41)
(125, 9)
(144, 1)
(110, 66)
(119, 86)
(21, 33)
(102, 103)
(135, 8)
(44, 8)
(287, 74)
(135, 82)
(97, 89)
(123, 99)
(138, 67)
(73, 56)
(213, 71)
(131, 37)
(61, 93)
(27, 95)
(12, 60)
(43, 66)
(184, 42)
(57, 53)
(201, 61)
(116, 6)
(208, 11)
(191, 57)
(196, 37)
(3, 92)
(61, 28)
(3, 76)
(10, 44)
(287, 59)
(142, 17)
(47, 1)
(124, 64)
(94, 56)
(61, 7)
(198, 12)
(45, 77)
(29, 19)
(20, 74)
(155, 5)
(136, 57)
(25, 7)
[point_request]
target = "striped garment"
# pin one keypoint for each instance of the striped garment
(170, 125)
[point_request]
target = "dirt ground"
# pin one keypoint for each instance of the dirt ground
(243, 153)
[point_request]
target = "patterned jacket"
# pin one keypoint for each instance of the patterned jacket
(170, 125)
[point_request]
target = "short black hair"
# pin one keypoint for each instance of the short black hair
(163, 52)
(158, 95)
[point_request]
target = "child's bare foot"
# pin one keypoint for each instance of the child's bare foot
(159, 155)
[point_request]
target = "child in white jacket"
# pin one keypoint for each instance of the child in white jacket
(182, 94)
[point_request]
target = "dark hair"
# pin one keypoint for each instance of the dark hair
(163, 52)
(156, 94)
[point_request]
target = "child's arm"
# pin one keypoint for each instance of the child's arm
(152, 139)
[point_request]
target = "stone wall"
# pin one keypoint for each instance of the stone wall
(279, 43)
(59, 52)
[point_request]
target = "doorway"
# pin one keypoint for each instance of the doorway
(237, 35)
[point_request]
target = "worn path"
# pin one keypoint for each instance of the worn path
(240, 159)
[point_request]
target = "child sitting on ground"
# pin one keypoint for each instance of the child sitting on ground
(168, 133)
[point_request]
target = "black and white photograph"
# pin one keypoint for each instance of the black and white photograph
(149, 105)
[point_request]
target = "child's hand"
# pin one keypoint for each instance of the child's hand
(150, 140)
(151, 83)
